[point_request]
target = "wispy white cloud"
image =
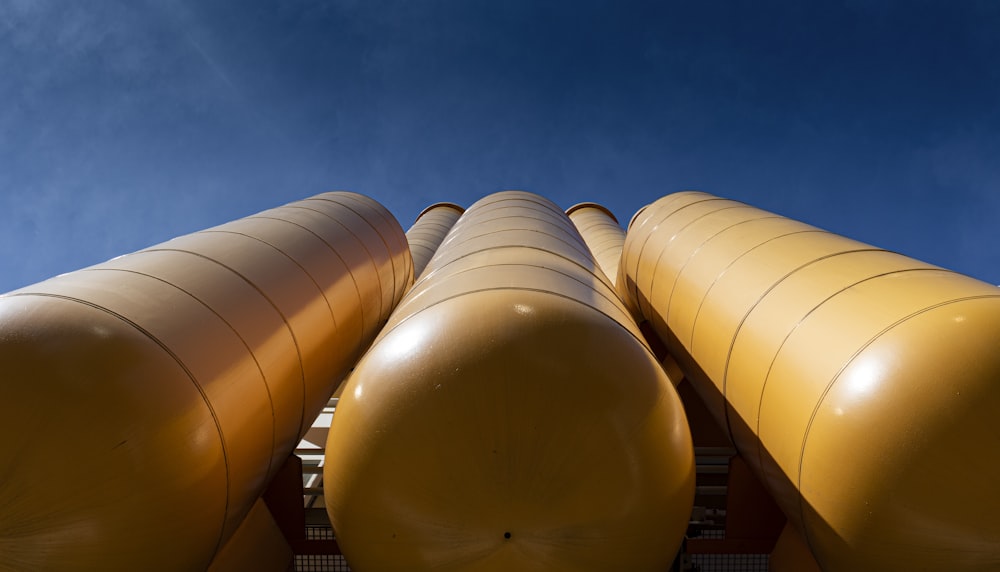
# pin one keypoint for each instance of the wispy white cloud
(221, 73)
(123, 122)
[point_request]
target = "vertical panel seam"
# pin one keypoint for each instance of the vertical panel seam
(295, 340)
(191, 377)
(847, 364)
(250, 351)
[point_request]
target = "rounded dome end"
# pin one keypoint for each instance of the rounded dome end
(898, 469)
(541, 436)
(108, 452)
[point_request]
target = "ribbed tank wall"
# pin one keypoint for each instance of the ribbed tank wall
(602, 233)
(429, 230)
(509, 417)
(860, 384)
(145, 402)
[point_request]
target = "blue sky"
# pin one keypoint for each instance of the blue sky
(124, 123)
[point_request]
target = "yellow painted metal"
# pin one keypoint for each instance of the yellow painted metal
(258, 544)
(791, 554)
(509, 417)
(146, 401)
(428, 232)
(602, 233)
(860, 384)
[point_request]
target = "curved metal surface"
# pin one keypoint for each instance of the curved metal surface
(429, 230)
(602, 233)
(145, 402)
(859, 383)
(509, 417)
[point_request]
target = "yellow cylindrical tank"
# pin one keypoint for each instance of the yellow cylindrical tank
(602, 233)
(509, 417)
(429, 230)
(145, 402)
(859, 383)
